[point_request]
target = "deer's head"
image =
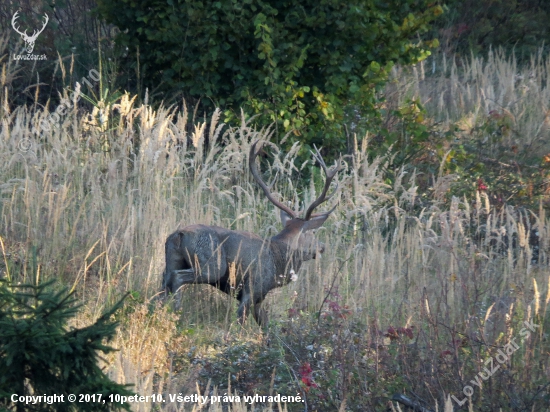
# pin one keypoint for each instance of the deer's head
(299, 233)
(29, 40)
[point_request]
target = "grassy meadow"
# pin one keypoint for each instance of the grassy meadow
(412, 297)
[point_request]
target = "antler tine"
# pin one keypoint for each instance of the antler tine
(46, 20)
(330, 173)
(13, 22)
(256, 175)
(37, 32)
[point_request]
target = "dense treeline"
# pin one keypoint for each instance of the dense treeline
(76, 27)
(314, 73)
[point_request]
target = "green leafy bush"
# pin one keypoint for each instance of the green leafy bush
(299, 65)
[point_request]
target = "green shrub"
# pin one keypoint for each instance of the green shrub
(300, 65)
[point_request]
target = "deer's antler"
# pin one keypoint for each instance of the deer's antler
(256, 175)
(330, 174)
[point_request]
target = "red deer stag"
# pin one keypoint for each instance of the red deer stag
(241, 262)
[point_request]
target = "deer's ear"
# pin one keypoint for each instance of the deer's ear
(315, 222)
(285, 217)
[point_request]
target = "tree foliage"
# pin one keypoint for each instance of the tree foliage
(39, 355)
(297, 64)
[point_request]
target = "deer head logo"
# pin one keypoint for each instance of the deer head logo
(29, 40)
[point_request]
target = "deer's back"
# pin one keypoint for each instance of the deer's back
(203, 237)
(243, 248)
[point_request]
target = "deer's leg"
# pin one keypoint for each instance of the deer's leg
(178, 271)
(209, 259)
(244, 308)
(175, 260)
(260, 314)
(184, 276)
(181, 277)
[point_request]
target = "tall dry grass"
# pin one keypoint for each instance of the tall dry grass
(95, 206)
(464, 90)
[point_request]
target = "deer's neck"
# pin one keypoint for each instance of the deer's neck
(286, 260)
